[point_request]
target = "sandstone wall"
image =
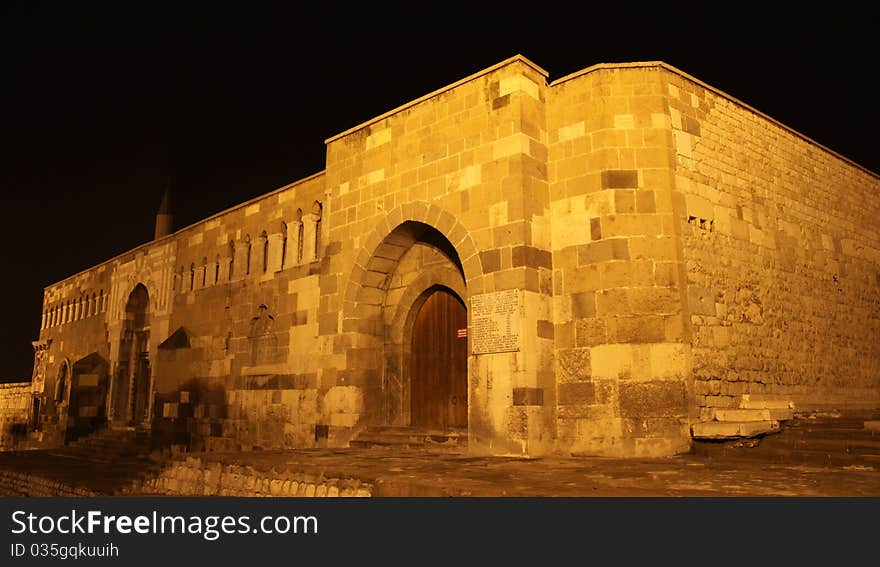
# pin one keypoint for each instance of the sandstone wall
(470, 162)
(622, 341)
(782, 244)
(15, 408)
(236, 367)
(666, 248)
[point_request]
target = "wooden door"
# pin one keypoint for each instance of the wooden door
(439, 363)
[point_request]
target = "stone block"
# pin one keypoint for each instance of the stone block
(763, 401)
(491, 260)
(732, 429)
(652, 399)
(573, 363)
(583, 304)
(576, 393)
(528, 396)
(620, 179)
(725, 414)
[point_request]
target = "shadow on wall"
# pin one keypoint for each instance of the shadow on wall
(87, 406)
(186, 418)
(14, 435)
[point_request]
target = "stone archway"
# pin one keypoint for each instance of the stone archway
(399, 322)
(131, 387)
(382, 291)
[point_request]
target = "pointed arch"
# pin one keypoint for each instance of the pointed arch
(264, 252)
(400, 229)
(283, 244)
(247, 263)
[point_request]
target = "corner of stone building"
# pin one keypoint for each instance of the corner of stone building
(623, 359)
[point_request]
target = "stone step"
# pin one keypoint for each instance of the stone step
(409, 436)
(751, 414)
(759, 401)
(733, 429)
(108, 443)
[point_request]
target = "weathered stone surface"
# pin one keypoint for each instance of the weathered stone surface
(763, 402)
(723, 414)
(652, 241)
(732, 429)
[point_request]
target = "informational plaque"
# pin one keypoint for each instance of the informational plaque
(495, 319)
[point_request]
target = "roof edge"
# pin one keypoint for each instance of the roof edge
(401, 108)
(717, 91)
(190, 226)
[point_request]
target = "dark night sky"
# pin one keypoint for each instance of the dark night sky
(99, 107)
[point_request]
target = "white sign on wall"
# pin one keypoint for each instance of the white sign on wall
(495, 321)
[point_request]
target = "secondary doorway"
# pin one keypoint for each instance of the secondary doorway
(439, 393)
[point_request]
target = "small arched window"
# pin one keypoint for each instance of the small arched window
(264, 242)
(299, 235)
(247, 242)
(217, 269)
(94, 304)
(192, 276)
(204, 270)
(283, 243)
(231, 259)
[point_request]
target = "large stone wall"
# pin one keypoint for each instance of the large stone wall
(782, 245)
(241, 371)
(15, 409)
(660, 248)
(468, 161)
(622, 344)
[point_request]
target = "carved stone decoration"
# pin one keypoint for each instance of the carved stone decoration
(262, 338)
(38, 379)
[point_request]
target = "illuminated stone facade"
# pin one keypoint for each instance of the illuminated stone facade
(639, 247)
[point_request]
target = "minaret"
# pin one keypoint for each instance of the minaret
(164, 218)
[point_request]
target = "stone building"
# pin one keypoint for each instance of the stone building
(588, 266)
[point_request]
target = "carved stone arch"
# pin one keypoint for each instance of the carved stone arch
(262, 339)
(264, 252)
(390, 239)
(404, 313)
(132, 385)
(283, 261)
(397, 379)
(366, 292)
(61, 388)
(248, 249)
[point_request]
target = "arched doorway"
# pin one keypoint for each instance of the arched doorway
(438, 367)
(131, 391)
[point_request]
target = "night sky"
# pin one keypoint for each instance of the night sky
(100, 109)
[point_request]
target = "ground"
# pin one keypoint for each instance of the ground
(810, 458)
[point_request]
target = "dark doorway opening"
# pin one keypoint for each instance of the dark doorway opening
(131, 390)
